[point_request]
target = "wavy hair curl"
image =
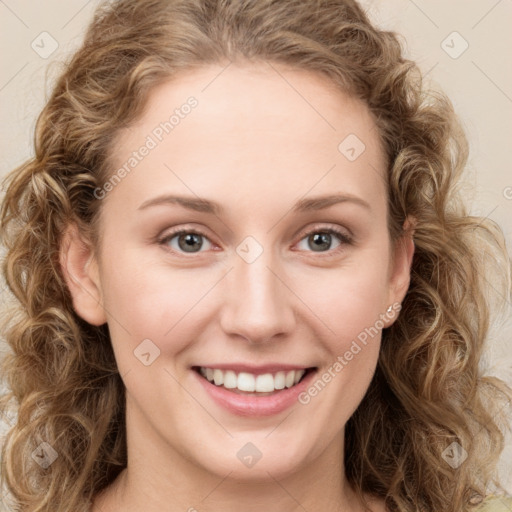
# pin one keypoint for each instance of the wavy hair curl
(428, 390)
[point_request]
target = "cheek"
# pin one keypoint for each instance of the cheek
(349, 309)
(352, 314)
(348, 299)
(349, 303)
(146, 299)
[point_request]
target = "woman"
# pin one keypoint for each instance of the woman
(244, 278)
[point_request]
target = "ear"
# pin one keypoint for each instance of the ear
(400, 272)
(80, 271)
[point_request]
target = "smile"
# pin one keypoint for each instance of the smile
(247, 390)
(250, 383)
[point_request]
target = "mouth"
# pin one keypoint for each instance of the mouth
(254, 384)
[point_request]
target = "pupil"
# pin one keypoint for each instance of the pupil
(320, 241)
(324, 240)
(189, 240)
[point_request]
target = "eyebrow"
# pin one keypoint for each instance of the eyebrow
(207, 206)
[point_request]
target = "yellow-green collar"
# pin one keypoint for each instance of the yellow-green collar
(496, 504)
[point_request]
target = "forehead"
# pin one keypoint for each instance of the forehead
(263, 126)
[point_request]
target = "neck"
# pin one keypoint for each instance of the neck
(159, 477)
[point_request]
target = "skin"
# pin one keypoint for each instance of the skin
(256, 145)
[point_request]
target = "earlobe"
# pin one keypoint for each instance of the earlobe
(80, 271)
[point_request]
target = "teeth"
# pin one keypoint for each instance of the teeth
(218, 377)
(290, 378)
(230, 379)
(246, 382)
(264, 383)
(279, 380)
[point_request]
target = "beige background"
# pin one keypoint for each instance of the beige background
(478, 80)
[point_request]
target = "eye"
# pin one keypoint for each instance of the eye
(192, 241)
(320, 239)
(184, 240)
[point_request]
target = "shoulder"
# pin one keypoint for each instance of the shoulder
(496, 504)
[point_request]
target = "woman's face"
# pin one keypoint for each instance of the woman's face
(265, 162)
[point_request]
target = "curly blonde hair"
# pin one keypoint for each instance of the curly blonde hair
(428, 390)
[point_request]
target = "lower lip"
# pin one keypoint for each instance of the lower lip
(247, 405)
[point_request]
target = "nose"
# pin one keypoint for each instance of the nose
(257, 304)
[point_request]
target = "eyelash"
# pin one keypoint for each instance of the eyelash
(343, 237)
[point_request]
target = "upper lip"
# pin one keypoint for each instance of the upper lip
(255, 369)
